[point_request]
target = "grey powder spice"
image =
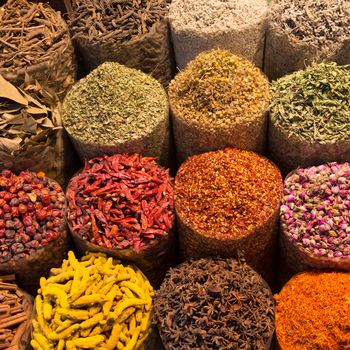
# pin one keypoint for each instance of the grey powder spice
(117, 109)
(200, 25)
(302, 31)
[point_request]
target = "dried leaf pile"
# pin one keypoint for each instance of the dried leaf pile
(214, 304)
(313, 104)
(28, 117)
(315, 22)
(116, 20)
(34, 39)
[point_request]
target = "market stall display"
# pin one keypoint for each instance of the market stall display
(312, 312)
(310, 117)
(123, 205)
(219, 100)
(134, 33)
(315, 222)
(228, 201)
(92, 303)
(33, 234)
(116, 109)
(300, 32)
(35, 41)
(213, 304)
(15, 315)
(31, 132)
(200, 25)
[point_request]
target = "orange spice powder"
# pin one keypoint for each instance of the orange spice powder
(313, 312)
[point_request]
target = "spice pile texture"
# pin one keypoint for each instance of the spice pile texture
(310, 116)
(315, 210)
(200, 25)
(214, 304)
(121, 201)
(117, 21)
(95, 303)
(31, 213)
(317, 23)
(35, 40)
(15, 315)
(116, 108)
(219, 100)
(226, 201)
(312, 312)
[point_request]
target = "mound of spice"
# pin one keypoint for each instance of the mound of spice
(35, 40)
(94, 303)
(303, 31)
(32, 225)
(124, 203)
(15, 315)
(219, 100)
(315, 217)
(134, 33)
(310, 116)
(227, 201)
(31, 133)
(200, 25)
(214, 304)
(312, 312)
(116, 109)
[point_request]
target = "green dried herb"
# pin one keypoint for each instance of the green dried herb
(220, 88)
(313, 104)
(114, 104)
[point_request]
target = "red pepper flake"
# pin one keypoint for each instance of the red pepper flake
(228, 192)
(129, 200)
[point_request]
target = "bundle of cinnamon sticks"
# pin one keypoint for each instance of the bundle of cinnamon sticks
(15, 314)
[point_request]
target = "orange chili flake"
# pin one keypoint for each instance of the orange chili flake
(40, 174)
(313, 312)
(227, 192)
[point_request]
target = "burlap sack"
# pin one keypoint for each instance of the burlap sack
(29, 269)
(150, 52)
(247, 40)
(58, 70)
(155, 144)
(284, 54)
(290, 152)
(193, 138)
(258, 247)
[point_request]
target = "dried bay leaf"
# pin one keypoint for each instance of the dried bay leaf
(7, 90)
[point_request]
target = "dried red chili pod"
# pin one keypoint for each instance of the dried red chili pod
(31, 243)
(123, 205)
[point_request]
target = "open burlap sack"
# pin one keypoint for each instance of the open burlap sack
(150, 52)
(284, 53)
(51, 150)
(40, 46)
(194, 138)
(201, 25)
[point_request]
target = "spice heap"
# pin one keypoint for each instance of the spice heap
(117, 21)
(121, 201)
(310, 116)
(118, 109)
(219, 100)
(15, 314)
(313, 104)
(27, 119)
(213, 304)
(227, 201)
(312, 312)
(314, 211)
(35, 40)
(317, 23)
(31, 213)
(95, 303)
(218, 23)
